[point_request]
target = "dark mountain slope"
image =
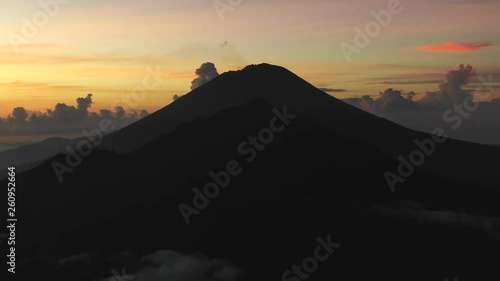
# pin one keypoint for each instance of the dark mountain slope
(307, 182)
(456, 160)
(33, 152)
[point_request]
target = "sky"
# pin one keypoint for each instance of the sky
(107, 47)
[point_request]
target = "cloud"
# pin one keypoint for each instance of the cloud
(84, 103)
(63, 113)
(74, 259)
(65, 119)
(205, 73)
(451, 89)
(40, 86)
(157, 266)
(406, 82)
(329, 90)
(389, 100)
(106, 113)
(451, 92)
(120, 112)
(488, 225)
(173, 266)
(433, 109)
(176, 97)
(143, 114)
(453, 47)
(32, 58)
(19, 114)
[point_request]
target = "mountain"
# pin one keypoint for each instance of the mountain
(273, 84)
(32, 153)
(457, 160)
(293, 166)
(307, 182)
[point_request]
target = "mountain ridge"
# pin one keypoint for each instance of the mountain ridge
(281, 87)
(308, 181)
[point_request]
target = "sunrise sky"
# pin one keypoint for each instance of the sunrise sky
(103, 47)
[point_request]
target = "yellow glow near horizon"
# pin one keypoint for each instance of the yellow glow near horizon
(103, 48)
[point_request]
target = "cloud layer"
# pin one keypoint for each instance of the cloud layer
(65, 119)
(450, 92)
(433, 108)
(174, 266)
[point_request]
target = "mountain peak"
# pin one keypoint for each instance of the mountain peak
(273, 84)
(263, 66)
(261, 70)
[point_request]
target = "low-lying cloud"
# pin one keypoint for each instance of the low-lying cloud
(451, 92)
(170, 265)
(488, 225)
(427, 112)
(65, 119)
(160, 265)
(173, 266)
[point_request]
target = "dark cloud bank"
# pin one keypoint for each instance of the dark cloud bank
(452, 108)
(65, 119)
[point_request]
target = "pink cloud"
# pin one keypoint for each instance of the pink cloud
(453, 47)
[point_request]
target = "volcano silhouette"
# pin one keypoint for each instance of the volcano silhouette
(457, 160)
(321, 175)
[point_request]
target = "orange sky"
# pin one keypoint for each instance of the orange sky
(105, 47)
